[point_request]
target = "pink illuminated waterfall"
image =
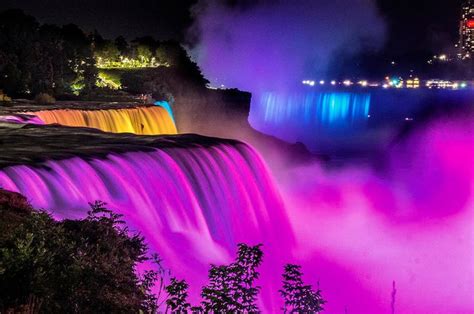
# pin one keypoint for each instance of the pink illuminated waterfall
(354, 230)
(193, 205)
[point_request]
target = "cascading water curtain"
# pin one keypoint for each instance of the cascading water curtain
(305, 116)
(193, 205)
(150, 120)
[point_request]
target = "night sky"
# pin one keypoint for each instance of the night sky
(413, 25)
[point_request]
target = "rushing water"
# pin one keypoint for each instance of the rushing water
(21, 118)
(353, 230)
(306, 116)
(151, 120)
(193, 205)
(313, 110)
(341, 120)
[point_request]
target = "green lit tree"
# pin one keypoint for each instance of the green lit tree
(106, 53)
(144, 54)
(231, 287)
(298, 297)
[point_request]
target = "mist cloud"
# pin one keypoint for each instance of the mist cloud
(263, 45)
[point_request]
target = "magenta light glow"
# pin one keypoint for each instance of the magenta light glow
(193, 205)
(21, 118)
(353, 230)
(413, 224)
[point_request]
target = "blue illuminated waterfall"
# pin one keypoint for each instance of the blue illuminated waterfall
(305, 116)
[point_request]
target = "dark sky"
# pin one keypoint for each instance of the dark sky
(413, 24)
(417, 25)
(164, 19)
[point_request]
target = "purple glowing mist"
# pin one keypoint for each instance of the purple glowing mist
(353, 230)
(412, 223)
(271, 45)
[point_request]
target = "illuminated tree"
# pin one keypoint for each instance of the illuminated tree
(231, 287)
(144, 54)
(298, 297)
(106, 54)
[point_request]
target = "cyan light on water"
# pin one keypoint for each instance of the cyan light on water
(302, 116)
(316, 109)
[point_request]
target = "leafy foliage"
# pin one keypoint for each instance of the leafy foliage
(62, 60)
(71, 266)
(177, 296)
(231, 287)
(43, 58)
(298, 297)
(89, 266)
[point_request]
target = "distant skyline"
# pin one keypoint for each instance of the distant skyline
(413, 26)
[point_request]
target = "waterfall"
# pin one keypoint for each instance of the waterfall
(20, 119)
(313, 109)
(193, 204)
(307, 116)
(150, 120)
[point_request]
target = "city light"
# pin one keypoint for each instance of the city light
(395, 82)
(309, 82)
(444, 84)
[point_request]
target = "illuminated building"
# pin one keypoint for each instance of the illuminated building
(413, 83)
(466, 29)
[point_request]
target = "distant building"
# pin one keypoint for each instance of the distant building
(466, 29)
(413, 83)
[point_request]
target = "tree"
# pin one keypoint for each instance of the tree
(298, 297)
(27, 243)
(231, 287)
(144, 54)
(179, 58)
(18, 35)
(46, 58)
(51, 73)
(177, 296)
(70, 266)
(122, 45)
(106, 53)
(79, 52)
